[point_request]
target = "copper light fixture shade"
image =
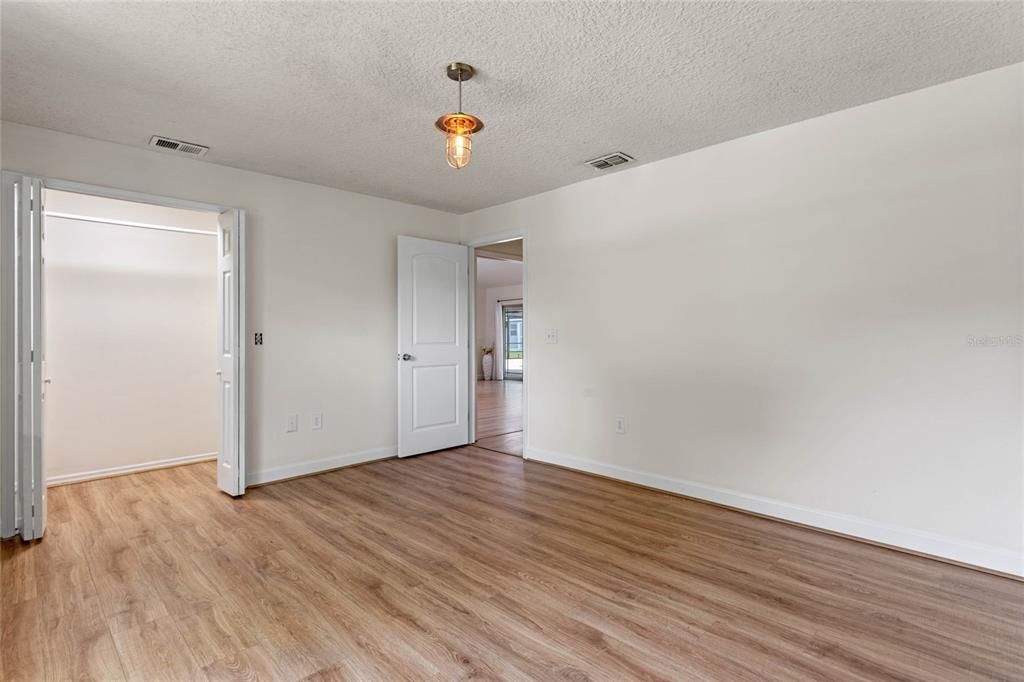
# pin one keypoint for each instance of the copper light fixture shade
(459, 127)
(459, 124)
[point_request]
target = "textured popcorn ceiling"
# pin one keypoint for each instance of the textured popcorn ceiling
(346, 94)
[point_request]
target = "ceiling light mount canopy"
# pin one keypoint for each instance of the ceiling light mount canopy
(458, 71)
(458, 127)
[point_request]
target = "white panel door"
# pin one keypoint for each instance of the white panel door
(433, 345)
(231, 293)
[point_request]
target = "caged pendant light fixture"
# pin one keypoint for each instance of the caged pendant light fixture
(459, 127)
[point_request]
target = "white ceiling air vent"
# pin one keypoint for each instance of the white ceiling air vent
(171, 145)
(610, 160)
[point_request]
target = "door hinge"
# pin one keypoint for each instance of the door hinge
(32, 356)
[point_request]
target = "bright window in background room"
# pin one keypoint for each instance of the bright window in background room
(513, 326)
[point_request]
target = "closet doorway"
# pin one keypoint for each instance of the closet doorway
(131, 321)
(123, 327)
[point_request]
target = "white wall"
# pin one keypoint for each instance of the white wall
(321, 265)
(131, 320)
(785, 321)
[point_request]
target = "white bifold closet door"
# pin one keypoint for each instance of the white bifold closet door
(231, 332)
(433, 345)
(23, 473)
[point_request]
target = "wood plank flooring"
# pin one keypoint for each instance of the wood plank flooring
(499, 416)
(469, 563)
(508, 443)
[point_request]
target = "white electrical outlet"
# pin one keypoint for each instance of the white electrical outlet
(316, 422)
(293, 423)
(620, 424)
(551, 336)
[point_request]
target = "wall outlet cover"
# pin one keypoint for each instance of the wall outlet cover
(293, 423)
(316, 421)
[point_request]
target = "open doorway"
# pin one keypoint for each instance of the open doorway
(500, 325)
(131, 317)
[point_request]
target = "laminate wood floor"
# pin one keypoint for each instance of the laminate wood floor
(499, 416)
(508, 443)
(469, 563)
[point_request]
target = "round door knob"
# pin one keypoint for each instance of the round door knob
(404, 356)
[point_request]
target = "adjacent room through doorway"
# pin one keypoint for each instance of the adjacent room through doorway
(500, 324)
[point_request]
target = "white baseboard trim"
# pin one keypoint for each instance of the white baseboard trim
(965, 552)
(318, 465)
(128, 469)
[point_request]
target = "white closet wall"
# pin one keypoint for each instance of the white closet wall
(132, 338)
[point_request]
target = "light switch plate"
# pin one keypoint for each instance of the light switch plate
(551, 336)
(316, 421)
(293, 423)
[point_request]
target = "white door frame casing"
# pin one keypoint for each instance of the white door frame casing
(498, 238)
(8, 394)
(9, 431)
